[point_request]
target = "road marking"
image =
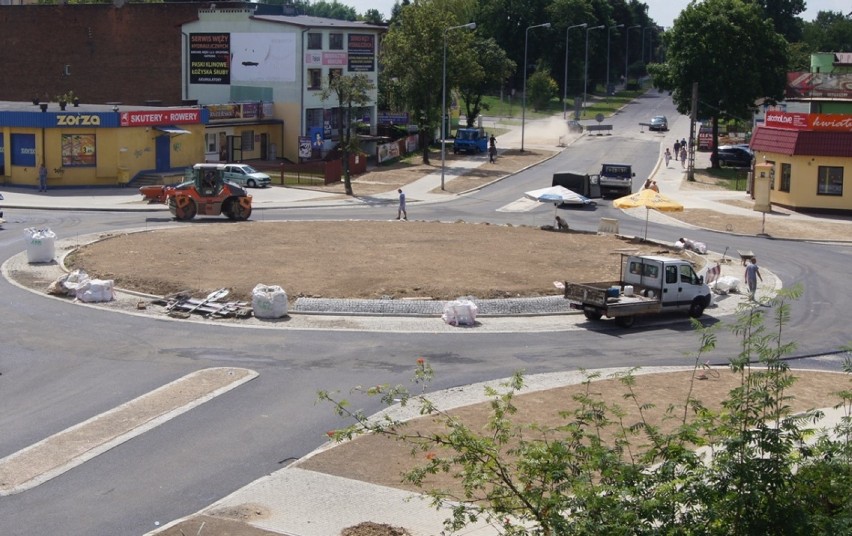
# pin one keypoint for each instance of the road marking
(69, 448)
(521, 205)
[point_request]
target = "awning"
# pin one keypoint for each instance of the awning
(171, 130)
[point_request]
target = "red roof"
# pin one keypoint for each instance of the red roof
(802, 142)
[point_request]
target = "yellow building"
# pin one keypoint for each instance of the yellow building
(97, 144)
(811, 155)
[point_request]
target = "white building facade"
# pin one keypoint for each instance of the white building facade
(282, 63)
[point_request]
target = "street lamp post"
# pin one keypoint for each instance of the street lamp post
(586, 63)
(565, 81)
(645, 29)
(608, 39)
(524, 106)
(627, 50)
(469, 26)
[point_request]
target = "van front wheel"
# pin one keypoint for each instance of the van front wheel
(696, 308)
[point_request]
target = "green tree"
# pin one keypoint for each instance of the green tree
(599, 472)
(372, 16)
(412, 56)
(785, 16)
(351, 91)
(541, 88)
(490, 68)
(734, 55)
(831, 31)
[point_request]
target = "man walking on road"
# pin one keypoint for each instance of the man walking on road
(752, 273)
(401, 211)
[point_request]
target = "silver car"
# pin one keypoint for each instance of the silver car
(245, 175)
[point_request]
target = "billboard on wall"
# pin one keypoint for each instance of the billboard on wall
(210, 58)
(802, 121)
(263, 57)
(362, 52)
(806, 85)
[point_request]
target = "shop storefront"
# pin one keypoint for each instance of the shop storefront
(811, 158)
(238, 132)
(96, 145)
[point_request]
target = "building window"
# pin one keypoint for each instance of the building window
(78, 150)
(334, 72)
(314, 78)
(313, 119)
(830, 180)
(786, 171)
(314, 41)
(335, 41)
(247, 140)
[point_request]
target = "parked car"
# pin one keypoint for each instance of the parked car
(732, 155)
(659, 122)
(245, 175)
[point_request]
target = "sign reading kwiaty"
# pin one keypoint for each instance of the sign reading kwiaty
(176, 116)
(803, 121)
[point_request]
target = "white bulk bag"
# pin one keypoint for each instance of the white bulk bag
(96, 290)
(268, 301)
(460, 313)
(41, 245)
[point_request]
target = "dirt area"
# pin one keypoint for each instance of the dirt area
(356, 459)
(408, 260)
(395, 259)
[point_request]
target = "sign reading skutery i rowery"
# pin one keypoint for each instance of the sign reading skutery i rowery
(802, 121)
(175, 116)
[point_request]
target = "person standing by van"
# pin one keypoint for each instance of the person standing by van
(752, 274)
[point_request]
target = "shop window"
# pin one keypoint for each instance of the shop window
(786, 171)
(78, 150)
(314, 78)
(334, 73)
(313, 119)
(247, 140)
(314, 41)
(335, 41)
(830, 180)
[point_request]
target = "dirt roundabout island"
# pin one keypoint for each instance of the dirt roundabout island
(356, 259)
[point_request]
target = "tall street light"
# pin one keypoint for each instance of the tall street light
(586, 63)
(524, 106)
(565, 81)
(608, 39)
(469, 26)
(627, 50)
(645, 29)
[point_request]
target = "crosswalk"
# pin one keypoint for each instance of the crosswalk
(520, 205)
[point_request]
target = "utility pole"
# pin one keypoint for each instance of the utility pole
(693, 117)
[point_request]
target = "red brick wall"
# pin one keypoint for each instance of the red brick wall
(130, 54)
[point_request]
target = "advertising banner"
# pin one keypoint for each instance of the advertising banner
(803, 121)
(361, 52)
(210, 58)
(23, 150)
(392, 118)
(177, 116)
(818, 85)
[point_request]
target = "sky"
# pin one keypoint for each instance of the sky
(663, 12)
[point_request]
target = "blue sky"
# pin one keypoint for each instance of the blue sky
(663, 12)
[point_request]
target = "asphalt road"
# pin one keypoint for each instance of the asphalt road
(62, 363)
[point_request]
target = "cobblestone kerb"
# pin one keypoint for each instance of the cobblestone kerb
(545, 305)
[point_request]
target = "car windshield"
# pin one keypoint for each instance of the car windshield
(249, 169)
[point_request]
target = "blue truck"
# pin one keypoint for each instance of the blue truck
(470, 140)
